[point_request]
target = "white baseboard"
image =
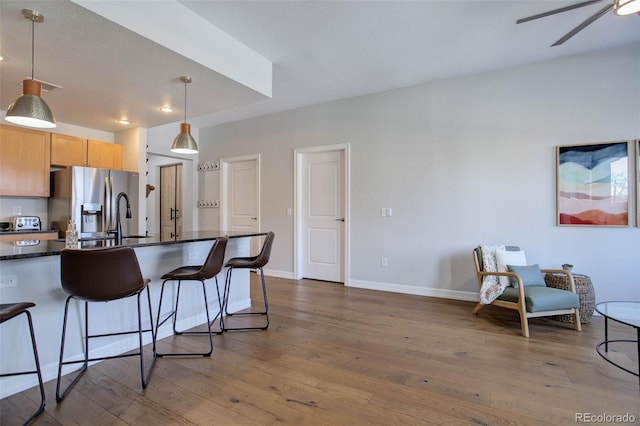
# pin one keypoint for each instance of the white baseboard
(418, 291)
(394, 288)
(279, 274)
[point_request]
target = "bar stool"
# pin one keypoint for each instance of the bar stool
(12, 310)
(210, 269)
(102, 275)
(253, 262)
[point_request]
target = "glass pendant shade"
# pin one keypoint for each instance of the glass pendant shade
(627, 7)
(184, 143)
(30, 109)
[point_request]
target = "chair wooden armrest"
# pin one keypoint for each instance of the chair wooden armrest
(572, 285)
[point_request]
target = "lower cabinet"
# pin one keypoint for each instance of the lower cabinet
(28, 236)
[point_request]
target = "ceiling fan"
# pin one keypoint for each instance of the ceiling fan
(621, 7)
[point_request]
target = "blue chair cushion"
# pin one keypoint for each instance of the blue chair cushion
(539, 298)
(530, 275)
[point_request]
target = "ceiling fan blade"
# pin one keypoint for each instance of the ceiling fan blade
(555, 11)
(582, 26)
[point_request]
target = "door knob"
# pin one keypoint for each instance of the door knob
(340, 220)
(254, 218)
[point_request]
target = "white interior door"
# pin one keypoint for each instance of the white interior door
(323, 216)
(240, 197)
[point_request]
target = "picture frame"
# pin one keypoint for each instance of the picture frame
(592, 184)
(637, 147)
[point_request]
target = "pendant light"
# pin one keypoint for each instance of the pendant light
(30, 109)
(184, 143)
(627, 7)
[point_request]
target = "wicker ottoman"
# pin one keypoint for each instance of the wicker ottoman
(584, 289)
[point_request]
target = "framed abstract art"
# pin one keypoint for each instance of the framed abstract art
(637, 146)
(593, 184)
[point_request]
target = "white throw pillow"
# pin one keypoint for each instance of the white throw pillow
(505, 258)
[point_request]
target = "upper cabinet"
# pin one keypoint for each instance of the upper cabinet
(68, 150)
(74, 151)
(24, 162)
(104, 155)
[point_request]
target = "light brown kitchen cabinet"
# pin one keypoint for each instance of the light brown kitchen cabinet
(24, 162)
(74, 151)
(25, 236)
(68, 150)
(104, 155)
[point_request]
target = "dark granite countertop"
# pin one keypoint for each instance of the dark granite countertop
(38, 248)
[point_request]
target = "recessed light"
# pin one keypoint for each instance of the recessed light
(124, 121)
(166, 108)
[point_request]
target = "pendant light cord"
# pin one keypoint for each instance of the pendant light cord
(33, 45)
(185, 101)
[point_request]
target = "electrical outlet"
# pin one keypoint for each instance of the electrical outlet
(384, 262)
(8, 281)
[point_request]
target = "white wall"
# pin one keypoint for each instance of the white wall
(462, 162)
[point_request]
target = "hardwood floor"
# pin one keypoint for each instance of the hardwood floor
(342, 356)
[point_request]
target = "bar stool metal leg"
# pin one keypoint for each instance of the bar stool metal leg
(12, 310)
(252, 262)
(173, 315)
(208, 270)
(264, 312)
(144, 373)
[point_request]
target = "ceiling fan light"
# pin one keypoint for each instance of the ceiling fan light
(627, 7)
(184, 143)
(30, 109)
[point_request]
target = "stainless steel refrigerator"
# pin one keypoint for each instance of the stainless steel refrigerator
(88, 196)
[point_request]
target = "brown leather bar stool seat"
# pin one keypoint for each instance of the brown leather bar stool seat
(12, 310)
(252, 262)
(209, 269)
(103, 275)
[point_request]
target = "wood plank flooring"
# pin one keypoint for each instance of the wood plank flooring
(342, 356)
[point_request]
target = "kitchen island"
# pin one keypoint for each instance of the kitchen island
(31, 273)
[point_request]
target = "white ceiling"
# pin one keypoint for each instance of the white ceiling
(320, 50)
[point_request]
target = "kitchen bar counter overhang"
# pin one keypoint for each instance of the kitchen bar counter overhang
(33, 273)
(10, 251)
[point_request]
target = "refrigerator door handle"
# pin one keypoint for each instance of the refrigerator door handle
(107, 204)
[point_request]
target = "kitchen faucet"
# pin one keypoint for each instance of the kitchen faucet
(118, 230)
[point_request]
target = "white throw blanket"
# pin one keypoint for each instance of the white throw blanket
(491, 287)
